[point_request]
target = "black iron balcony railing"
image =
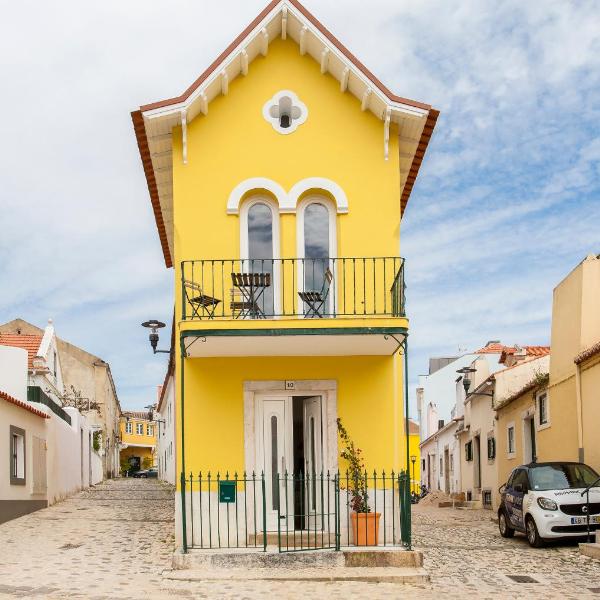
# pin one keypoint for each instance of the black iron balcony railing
(306, 288)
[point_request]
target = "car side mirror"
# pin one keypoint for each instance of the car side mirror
(518, 487)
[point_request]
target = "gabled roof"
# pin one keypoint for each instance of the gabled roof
(31, 343)
(153, 123)
(11, 400)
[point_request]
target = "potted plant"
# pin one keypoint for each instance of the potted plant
(365, 524)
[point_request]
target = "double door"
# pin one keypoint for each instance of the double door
(290, 453)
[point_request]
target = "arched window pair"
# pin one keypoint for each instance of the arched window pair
(315, 248)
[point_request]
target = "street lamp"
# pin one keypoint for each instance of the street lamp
(154, 326)
(413, 460)
(465, 372)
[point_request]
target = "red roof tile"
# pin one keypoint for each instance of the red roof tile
(24, 405)
(31, 343)
(588, 353)
(493, 348)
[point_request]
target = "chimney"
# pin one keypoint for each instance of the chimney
(440, 424)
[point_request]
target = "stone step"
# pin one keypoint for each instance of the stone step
(251, 558)
(364, 574)
(591, 550)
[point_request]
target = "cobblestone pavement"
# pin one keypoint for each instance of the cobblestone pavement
(112, 540)
(116, 540)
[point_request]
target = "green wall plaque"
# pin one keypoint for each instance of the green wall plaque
(227, 491)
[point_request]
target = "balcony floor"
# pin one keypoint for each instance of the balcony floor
(281, 341)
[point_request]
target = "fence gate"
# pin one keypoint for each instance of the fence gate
(308, 513)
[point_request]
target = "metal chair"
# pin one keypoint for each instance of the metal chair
(316, 299)
(199, 300)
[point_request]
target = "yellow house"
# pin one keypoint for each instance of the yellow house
(138, 441)
(278, 181)
(574, 369)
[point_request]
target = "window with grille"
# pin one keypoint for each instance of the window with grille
(491, 448)
(486, 498)
(128, 428)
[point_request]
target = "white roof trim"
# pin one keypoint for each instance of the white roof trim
(234, 56)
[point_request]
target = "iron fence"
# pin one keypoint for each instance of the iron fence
(292, 287)
(313, 510)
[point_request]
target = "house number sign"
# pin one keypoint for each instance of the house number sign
(227, 492)
(290, 385)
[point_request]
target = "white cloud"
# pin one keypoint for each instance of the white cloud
(506, 202)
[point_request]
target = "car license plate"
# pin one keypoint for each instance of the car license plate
(583, 520)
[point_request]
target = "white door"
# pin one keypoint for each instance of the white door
(313, 457)
(276, 454)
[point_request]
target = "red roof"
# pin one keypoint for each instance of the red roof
(31, 343)
(588, 353)
(492, 348)
(24, 405)
(529, 351)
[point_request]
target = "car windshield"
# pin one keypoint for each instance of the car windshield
(561, 477)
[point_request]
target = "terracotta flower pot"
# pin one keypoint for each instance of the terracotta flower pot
(365, 528)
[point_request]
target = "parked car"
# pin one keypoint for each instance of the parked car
(550, 500)
(145, 473)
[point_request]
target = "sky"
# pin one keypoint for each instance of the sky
(506, 204)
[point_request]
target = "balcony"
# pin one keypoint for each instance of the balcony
(293, 297)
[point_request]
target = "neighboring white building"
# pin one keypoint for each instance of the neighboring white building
(72, 371)
(440, 460)
(436, 394)
(50, 446)
(165, 414)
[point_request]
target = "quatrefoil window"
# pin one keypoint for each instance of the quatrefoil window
(285, 112)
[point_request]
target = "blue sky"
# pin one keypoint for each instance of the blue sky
(506, 204)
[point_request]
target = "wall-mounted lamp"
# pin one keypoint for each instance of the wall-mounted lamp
(466, 372)
(154, 326)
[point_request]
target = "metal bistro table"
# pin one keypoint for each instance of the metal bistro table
(251, 287)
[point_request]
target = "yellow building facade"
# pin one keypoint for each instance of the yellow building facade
(138, 441)
(574, 371)
(278, 182)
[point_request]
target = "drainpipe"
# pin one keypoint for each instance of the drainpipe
(182, 483)
(406, 432)
(579, 412)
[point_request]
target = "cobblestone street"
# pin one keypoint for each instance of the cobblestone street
(116, 540)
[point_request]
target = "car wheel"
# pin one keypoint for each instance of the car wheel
(533, 536)
(506, 531)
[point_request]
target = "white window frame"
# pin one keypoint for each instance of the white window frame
(129, 427)
(274, 121)
(303, 204)
(540, 426)
(250, 200)
(509, 453)
(149, 429)
(139, 426)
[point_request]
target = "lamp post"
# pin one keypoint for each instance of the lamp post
(413, 460)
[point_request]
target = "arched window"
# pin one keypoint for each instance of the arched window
(316, 247)
(260, 248)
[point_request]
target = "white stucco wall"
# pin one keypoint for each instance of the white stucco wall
(13, 372)
(33, 426)
(68, 466)
(165, 449)
(97, 470)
